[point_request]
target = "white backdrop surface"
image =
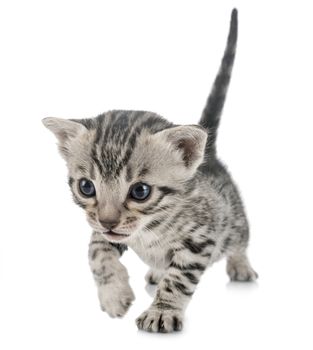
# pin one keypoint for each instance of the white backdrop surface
(81, 58)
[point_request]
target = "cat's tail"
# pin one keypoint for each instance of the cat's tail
(211, 114)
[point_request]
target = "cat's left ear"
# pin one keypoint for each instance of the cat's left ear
(187, 142)
(65, 130)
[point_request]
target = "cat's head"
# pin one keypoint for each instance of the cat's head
(126, 167)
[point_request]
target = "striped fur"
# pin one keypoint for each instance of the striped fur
(211, 114)
(193, 217)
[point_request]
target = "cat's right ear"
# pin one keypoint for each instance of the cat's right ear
(65, 130)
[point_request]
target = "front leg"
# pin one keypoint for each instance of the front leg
(110, 275)
(173, 294)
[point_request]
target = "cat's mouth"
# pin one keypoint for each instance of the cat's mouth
(115, 236)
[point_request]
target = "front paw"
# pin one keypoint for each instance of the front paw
(158, 320)
(116, 300)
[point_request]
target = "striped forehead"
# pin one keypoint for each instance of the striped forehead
(116, 135)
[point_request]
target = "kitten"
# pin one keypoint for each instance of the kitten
(159, 189)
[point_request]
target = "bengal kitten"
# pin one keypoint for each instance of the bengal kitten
(160, 189)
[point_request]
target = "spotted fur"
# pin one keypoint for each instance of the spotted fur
(193, 217)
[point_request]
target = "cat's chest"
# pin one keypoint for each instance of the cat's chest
(154, 254)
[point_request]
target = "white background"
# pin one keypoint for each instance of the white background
(79, 59)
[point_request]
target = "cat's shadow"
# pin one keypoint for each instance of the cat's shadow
(235, 286)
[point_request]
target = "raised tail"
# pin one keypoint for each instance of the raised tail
(214, 106)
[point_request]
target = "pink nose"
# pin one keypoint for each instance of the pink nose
(109, 224)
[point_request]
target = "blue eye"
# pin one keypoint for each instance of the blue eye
(87, 188)
(140, 191)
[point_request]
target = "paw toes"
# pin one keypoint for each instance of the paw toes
(161, 325)
(116, 304)
(160, 321)
(177, 324)
(243, 275)
(126, 303)
(140, 321)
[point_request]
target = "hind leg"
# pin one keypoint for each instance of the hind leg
(239, 268)
(154, 276)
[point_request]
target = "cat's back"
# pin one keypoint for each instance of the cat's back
(215, 180)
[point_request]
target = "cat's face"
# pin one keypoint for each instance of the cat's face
(126, 167)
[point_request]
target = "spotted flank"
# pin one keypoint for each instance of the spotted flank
(159, 189)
